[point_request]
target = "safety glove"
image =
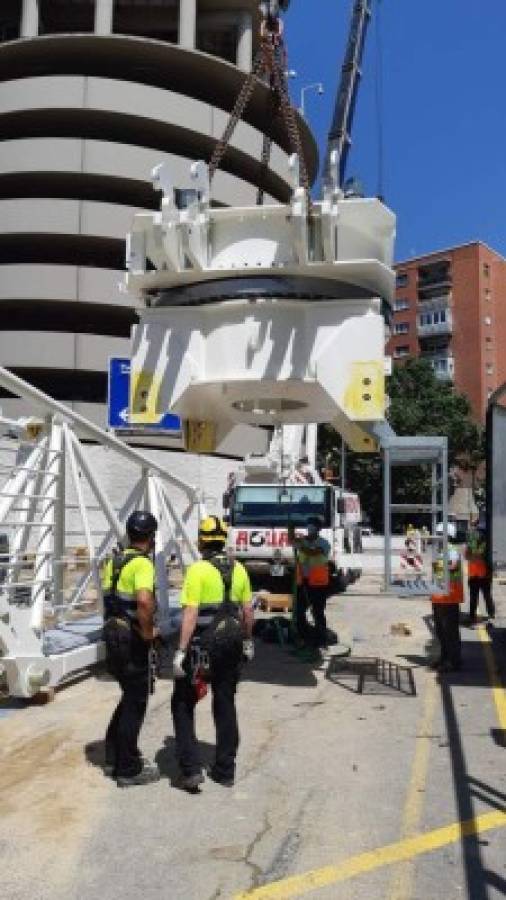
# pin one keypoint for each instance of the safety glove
(177, 664)
(248, 649)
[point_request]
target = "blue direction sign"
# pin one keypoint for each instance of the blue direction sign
(118, 402)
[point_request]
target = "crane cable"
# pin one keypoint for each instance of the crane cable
(269, 62)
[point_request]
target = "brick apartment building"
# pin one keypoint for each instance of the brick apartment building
(450, 308)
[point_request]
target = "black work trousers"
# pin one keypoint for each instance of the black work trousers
(128, 662)
(223, 686)
(485, 586)
(315, 599)
(446, 626)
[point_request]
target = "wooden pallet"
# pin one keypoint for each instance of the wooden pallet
(275, 602)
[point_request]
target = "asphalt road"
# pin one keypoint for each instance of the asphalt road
(339, 795)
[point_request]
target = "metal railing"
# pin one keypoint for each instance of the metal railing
(50, 496)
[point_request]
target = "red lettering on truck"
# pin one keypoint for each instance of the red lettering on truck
(241, 539)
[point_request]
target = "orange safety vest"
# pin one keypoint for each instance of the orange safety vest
(318, 576)
(477, 568)
(317, 572)
(476, 559)
(456, 588)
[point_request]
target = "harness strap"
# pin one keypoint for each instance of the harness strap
(119, 605)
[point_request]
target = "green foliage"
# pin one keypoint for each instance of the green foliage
(419, 404)
(422, 404)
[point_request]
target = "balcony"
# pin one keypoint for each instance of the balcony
(440, 300)
(434, 323)
(435, 276)
(443, 364)
(440, 282)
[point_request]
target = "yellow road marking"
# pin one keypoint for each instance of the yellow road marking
(409, 848)
(297, 885)
(498, 691)
(402, 878)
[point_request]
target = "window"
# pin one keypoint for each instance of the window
(438, 317)
(402, 279)
(401, 303)
(401, 351)
(488, 341)
(490, 369)
(276, 506)
(488, 294)
(486, 270)
(488, 320)
(401, 327)
(489, 393)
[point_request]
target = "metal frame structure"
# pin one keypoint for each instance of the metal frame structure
(416, 451)
(496, 480)
(49, 480)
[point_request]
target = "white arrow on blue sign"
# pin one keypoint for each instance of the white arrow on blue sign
(118, 401)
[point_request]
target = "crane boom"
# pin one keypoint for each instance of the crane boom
(339, 135)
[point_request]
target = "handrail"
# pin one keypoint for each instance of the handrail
(22, 389)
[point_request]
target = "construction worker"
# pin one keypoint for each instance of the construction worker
(446, 610)
(128, 583)
(313, 579)
(479, 576)
(216, 635)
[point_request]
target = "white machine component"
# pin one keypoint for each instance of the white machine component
(263, 315)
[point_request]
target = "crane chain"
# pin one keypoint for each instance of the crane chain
(288, 112)
(270, 60)
(239, 106)
(271, 112)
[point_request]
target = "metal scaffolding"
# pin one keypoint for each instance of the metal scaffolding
(416, 451)
(50, 495)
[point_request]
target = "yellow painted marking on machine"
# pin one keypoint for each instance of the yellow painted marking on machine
(355, 437)
(364, 398)
(199, 436)
(144, 396)
(298, 885)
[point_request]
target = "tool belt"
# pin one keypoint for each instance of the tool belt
(125, 648)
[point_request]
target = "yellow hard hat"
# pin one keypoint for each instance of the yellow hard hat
(212, 529)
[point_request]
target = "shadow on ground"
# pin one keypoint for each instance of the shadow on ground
(166, 759)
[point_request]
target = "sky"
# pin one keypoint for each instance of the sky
(442, 111)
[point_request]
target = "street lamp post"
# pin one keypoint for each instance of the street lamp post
(316, 86)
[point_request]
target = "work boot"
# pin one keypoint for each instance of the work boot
(218, 778)
(191, 783)
(148, 774)
(109, 767)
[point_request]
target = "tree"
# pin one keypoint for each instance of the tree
(419, 404)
